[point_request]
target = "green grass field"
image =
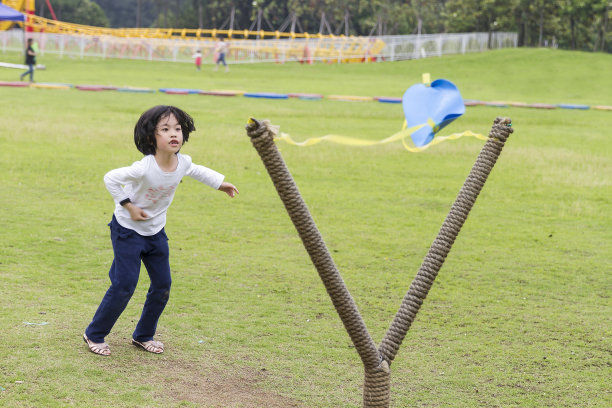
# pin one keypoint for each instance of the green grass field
(519, 316)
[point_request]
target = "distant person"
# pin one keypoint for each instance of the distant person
(30, 60)
(198, 59)
(221, 51)
(142, 193)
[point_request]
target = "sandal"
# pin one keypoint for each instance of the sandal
(100, 349)
(152, 346)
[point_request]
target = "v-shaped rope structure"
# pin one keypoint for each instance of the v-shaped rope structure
(376, 360)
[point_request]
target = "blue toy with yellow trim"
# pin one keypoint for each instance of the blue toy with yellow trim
(428, 108)
(435, 105)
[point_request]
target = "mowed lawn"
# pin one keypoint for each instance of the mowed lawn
(520, 314)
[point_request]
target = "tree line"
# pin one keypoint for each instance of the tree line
(568, 24)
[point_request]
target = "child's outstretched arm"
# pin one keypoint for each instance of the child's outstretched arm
(229, 189)
(211, 178)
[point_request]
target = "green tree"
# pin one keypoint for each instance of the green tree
(125, 13)
(84, 12)
(389, 17)
(603, 13)
(203, 14)
(536, 21)
(478, 15)
(579, 16)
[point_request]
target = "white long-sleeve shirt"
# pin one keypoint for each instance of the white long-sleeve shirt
(152, 189)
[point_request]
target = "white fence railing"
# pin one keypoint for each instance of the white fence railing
(429, 45)
(337, 49)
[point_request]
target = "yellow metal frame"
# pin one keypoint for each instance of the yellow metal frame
(351, 48)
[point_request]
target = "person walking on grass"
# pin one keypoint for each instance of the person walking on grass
(197, 56)
(30, 61)
(220, 52)
(142, 193)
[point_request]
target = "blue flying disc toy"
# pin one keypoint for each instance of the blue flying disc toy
(438, 105)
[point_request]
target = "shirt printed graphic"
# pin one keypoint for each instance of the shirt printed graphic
(155, 194)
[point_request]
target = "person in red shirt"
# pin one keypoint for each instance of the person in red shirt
(198, 59)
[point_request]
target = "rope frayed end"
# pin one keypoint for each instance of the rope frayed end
(256, 128)
(502, 128)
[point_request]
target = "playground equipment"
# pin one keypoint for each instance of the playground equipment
(246, 45)
(16, 5)
(376, 360)
(284, 46)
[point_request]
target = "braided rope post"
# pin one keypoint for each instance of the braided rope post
(262, 137)
(446, 237)
(376, 362)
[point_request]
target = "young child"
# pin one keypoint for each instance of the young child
(198, 59)
(142, 193)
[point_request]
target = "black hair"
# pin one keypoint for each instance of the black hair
(144, 131)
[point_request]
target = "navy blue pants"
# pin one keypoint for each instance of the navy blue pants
(221, 59)
(30, 72)
(130, 249)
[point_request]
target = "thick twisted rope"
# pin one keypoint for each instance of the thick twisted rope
(262, 137)
(376, 362)
(446, 236)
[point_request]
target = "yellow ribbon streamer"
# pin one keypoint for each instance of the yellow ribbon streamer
(349, 140)
(439, 139)
(401, 135)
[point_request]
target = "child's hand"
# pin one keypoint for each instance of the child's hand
(229, 189)
(137, 213)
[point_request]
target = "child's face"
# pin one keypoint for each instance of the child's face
(168, 135)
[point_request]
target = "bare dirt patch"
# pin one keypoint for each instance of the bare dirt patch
(213, 387)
